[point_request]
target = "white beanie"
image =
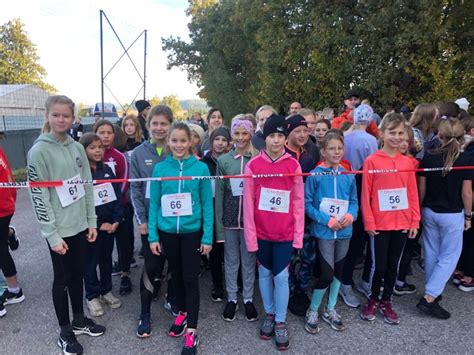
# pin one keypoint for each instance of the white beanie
(463, 103)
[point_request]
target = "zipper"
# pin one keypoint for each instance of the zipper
(240, 197)
(335, 196)
(179, 191)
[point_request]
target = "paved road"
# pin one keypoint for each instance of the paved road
(31, 328)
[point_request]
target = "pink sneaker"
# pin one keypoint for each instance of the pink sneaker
(369, 311)
(179, 326)
(389, 315)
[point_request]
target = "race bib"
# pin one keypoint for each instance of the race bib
(334, 207)
(213, 187)
(175, 205)
(104, 193)
(70, 192)
(274, 200)
(147, 189)
(237, 186)
(393, 199)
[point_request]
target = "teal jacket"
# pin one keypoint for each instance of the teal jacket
(202, 216)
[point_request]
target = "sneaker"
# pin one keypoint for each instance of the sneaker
(433, 309)
(179, 326)
(282, 339)
(332, 318)
(389, 315)
(13, 240)
(457, 277)
(217, 294)
(95, 307)
(348, 296)
(69, 345)
(370, 310)
(12, 298)
(406, 289)
(364, 288)
(250, 312)
(125, 286)
(116, 269)
(110, 300)
(144, 326)
(89, 327)
(467, 286)
(169, 306)
(267, 327)
(133, 263)
(3, 311)
(190, 344)
(311, 322)
(229, 311)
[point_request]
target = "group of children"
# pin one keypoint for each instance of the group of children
(250, 223)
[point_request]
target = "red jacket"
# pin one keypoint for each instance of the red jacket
(382, 199)
(7, 196)
(344, 117)
(262, 222)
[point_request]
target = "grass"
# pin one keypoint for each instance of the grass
(19, 174)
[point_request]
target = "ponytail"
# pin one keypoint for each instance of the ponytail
(451, 134)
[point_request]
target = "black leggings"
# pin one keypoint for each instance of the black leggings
(387, 248)
(216, 258)
(68, 279)
(466, 261)
(152, 269)
(7, 265)
(184, 258)
(125, 238)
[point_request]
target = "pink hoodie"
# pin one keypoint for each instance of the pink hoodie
(270, 225)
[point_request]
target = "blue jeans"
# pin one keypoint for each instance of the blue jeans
(99, 254)
(442, 244)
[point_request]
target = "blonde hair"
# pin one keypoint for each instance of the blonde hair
(391, 120)
(251, 118)
(53, 100)
(423, 118)
(451, 134)
(138, 129)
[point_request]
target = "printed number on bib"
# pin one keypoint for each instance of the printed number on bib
(393, 199)
(104, 193)
(70, 192)
(237, 186)
(334, 207)
(274, 200)
(175, 205)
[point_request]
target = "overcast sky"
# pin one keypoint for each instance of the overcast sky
(66, 34)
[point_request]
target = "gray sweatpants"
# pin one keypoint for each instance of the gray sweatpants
(235, 252)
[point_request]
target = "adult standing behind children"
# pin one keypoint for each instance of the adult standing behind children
(143, 107)
(66, 215)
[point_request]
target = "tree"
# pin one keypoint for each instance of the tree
(19, 59)
(173, 103)
(155, 100)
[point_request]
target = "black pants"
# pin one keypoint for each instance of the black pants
(387, 248)
(7, 265)
(407, 255)
(99, 254)
(125, 238)
(184, 258)
(152, 268)
(216, 258)
(466, 261)
(68, 278)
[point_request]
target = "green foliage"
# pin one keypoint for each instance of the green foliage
(18, 57)
(246, 53)
(173, 103)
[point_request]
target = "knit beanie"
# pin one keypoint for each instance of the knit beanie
(274, 124)
(363, 114)
(294, 122)
(198, 130)
(219, 132)
(141, 105)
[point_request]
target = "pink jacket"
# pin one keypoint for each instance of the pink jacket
(260, 223)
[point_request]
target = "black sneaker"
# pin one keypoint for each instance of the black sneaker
(89, 327)
(191, 342)
(133, 263)
(125, 286)
(144, 326)
(3, 311)
(217, 294)
(250, 312)
(69, 345)
(12, 298)
(433, 309)
(406, 289)
(116, 269)
(13, 240)
(229, 311)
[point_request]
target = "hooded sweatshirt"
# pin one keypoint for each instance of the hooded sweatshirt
(7, 196)
(389, 200)
(201, 199)
(275, 225)
(50, 159)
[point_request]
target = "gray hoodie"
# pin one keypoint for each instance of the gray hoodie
(143, 160)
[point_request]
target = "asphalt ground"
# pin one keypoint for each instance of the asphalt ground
(31, 327)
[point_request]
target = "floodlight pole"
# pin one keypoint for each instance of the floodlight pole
(102, 63)
(144, 67)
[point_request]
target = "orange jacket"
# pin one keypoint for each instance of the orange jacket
(375, 186)
(344, 117)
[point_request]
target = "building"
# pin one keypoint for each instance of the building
(22, 100)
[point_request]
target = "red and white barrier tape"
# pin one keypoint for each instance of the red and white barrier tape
(56, 183)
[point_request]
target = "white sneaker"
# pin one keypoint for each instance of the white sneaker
(364, 288)
(348, 296)
(111, 300)
(95, 308)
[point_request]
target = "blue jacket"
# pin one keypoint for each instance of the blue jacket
(342, 187)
